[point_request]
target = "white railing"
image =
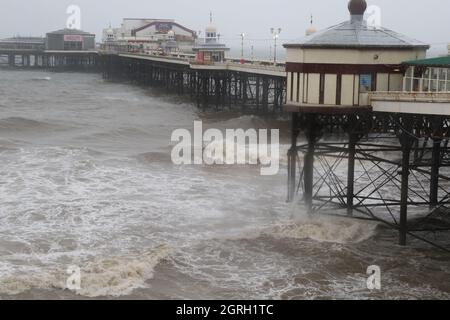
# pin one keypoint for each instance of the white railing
(256, 66)
(426, 84)
(402, 96)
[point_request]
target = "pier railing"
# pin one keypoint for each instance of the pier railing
(431, 103)
(437, 97)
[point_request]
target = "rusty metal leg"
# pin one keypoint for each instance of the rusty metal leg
(434, 179)
(292, 156)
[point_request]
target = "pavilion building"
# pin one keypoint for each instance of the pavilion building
(210, 50)
(337, 66)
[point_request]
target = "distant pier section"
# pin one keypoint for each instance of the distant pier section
(220, 84)
(62, 49)
(163, 53)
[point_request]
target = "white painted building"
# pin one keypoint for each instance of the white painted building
(149, 36)
(210, 49)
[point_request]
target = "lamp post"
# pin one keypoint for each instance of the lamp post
(276, 35)
(242, 47)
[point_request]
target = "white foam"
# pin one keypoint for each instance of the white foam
(114, 276)
(120, 276)
(327, 229)
(250, 152)
(42, 79)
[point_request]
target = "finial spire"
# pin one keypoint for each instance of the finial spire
(312, 20)
(357, 7)
(210, 17)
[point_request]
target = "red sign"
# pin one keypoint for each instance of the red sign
(73, 38)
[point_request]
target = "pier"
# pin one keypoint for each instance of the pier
(371, 129)
(65, 49)
(220, 85)
(49, 59)
(370, 114)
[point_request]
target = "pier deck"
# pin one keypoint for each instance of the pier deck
(249, 85)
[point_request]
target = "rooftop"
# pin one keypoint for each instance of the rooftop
(355, 33)
(431, 62)
(24, 40)
(67, 31)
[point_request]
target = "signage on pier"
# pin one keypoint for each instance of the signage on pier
(73, 38)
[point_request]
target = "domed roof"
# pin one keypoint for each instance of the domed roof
(311, 30)
(355, 33)
(357, 7)
(211, 28)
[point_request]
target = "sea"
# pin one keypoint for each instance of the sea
(87, 184)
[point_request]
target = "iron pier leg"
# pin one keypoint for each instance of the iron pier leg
(407, 142)
(292, 156)
(309, 161)
(351, 173)
(435, 164)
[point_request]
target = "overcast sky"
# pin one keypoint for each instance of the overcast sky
(427, 21)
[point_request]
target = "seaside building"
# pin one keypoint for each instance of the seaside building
(209, 49)
(149, 36)
(70, 40)
(337, 66)
(23, 43)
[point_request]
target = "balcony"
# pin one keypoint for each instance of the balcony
(429, 103)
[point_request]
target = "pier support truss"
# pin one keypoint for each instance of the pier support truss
(391, 168)
(209, 88)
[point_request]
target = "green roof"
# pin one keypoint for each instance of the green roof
(432, 62)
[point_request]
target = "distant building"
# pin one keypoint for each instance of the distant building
(23, 43)
(70, 40)
(149, 36)
(448, 47)
(210, 50)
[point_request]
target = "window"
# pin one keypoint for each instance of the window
(73, 46)
(322, 89)
(365, 83)
(338, 89)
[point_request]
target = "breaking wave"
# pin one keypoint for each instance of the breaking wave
(24, 124)
(41, 79)
(327, 229)
(113, 277)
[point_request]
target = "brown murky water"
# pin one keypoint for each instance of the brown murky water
(86, 180)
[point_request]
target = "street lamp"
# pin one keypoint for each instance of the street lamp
(276, 35)
(242, 47)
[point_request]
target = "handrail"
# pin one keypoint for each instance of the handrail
(410, 96)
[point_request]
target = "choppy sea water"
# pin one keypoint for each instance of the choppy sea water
(86, 179)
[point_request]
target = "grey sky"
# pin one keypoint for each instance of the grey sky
(427, 21)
